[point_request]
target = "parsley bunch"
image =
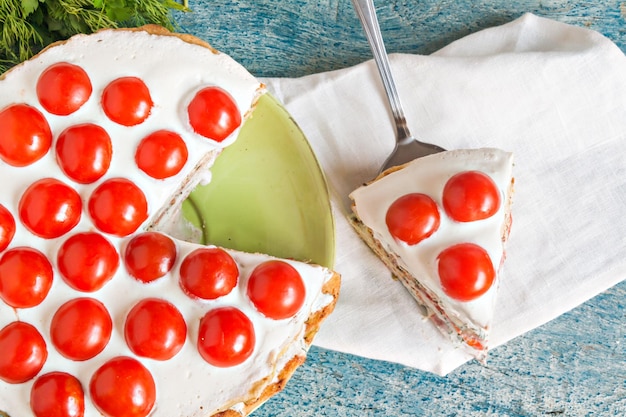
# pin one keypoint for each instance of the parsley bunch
(29, 25)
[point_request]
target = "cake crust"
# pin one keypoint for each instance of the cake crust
(331, 288)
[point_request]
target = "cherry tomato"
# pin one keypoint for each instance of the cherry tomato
(50, 208)
(469, 196)
(22, 352)
(226, 337)
(118, 206)
(26, 135)
(87, 261)
(25, 277)
(123, 387)
(213, 113)
(81, 328)
(276, 289)
(57, 394)
(149, 256)
(7, 227)
(155, 329)
(412, 218)
(127, 101)
(84, 152)
(465, 271)
(63, 88)
(208, 273)
(161, 154)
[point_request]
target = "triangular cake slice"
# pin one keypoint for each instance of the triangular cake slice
(102, 309)
(440, 223)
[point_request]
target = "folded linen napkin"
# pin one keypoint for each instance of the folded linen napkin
(553, 94)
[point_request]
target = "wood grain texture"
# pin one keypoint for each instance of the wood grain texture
(572, 366)
(290, 38)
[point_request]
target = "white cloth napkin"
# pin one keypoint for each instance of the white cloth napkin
(553, 94)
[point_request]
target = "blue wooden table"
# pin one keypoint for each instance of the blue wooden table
(572, 366)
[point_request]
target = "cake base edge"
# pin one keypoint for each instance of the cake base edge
(330, 288)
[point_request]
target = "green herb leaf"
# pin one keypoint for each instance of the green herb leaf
(29, 6)
(26, 26)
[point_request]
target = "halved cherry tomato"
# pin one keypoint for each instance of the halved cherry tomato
(465, 271)
(149, 256)
(87, 261)
(22, 352)
(81, 328)
(226, 337)
(155, 329)
(84, 152)
(123, 387)
(118, 206)
(412, 218)
(26, 135)
(127, 101)
(471, 195)
(208, 273)
(25, 277)
(7, 227)
(57, 394)
(276, 289)
(63, 88)
(213, 113)
(50, 208)
(161, 154)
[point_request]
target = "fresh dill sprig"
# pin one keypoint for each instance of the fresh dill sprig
(30, 25)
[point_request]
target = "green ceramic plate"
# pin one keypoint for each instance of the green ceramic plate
(267, 192)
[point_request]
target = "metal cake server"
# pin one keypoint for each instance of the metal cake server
(407, 146)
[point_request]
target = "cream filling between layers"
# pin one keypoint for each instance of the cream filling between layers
(429, 175)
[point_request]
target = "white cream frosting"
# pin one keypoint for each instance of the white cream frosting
(429, 175)
(106, 56)
(173, 70)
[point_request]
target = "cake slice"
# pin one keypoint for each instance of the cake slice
(440, 223)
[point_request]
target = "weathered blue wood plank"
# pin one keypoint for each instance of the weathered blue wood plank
(292, 38)
(572, 366)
